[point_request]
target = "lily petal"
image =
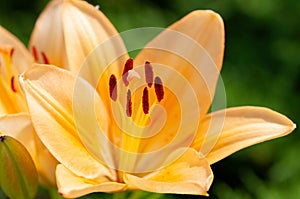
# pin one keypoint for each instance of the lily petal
(189, 174)
(67, 31)
(22, 59)
(242, 127)
(49, 93)
(194, 47)
(72, 186)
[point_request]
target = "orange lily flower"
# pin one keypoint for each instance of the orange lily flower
(48, 46)
(145, 127)
(14, 59)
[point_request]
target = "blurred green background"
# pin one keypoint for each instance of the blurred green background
(261, 67)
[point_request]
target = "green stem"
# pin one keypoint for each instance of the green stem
(54, 194)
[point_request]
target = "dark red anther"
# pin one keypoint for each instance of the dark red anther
(159, 89)
(145, 101)
(45, 58)
(113, 87)
(128, 66)
(12, 85)
(129, 104)
(149, 73)
(35, 53)
(12, 52)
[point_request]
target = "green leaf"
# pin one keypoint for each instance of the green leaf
(18, 175)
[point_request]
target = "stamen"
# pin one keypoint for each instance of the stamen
(12, 85)
(129, 104)
(35, 53)
(149, 73)
(128, 66)
(7, 50)
(145, 101)
(45, 58)
(113, 87)
(159, 89)
(12, 52)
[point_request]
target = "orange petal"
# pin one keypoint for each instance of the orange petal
(72, 186)
(47, 36)
(189, 174)
(49, 93)
(193, 47)
(236, 128)
(67, 31)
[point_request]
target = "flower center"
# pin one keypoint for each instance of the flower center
(129, 74)
(6, 53)
(12, 100)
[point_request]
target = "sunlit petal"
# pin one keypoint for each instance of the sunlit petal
(194, 47)
(242, 127)
(67, 32)
(51, 112)
(72, 186)
(190, 174)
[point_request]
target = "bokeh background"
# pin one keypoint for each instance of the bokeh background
(261, 68)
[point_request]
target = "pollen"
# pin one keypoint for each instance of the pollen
(128, 75)
(149, 73)
(159, 89)
(113, 87)
(129, 104)
(45, 58)
(145, 101)
(35, 53)
(12, 84)
(12, 52)
(128, 66)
